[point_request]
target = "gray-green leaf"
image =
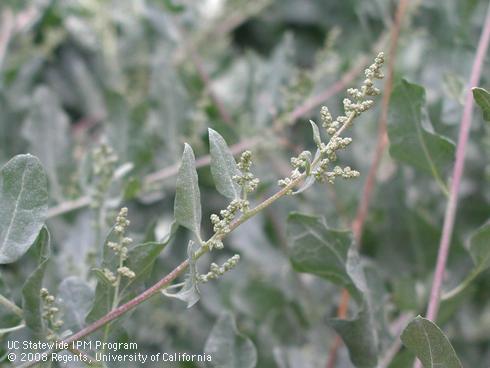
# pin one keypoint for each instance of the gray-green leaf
(429, 344)
(410, 141)
(316, 133)
(314, 248)
(31, 295)
(23, 205)
(482, 98)
(359, 337)
(223, 166)
(189, 292)
(75, 300)
(187, 205)
(229, 348)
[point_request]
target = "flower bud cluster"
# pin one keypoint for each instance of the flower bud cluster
(104, 165)
(216, 271)
(246, 180)
(50, 313)
(221, 223)
(301, 162)
(345, 173)
(120, 248)
(353, 107)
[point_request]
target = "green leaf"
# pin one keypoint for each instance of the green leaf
(229, 348)
(429, 344)
(410, 141)
(31, 295)
(189, 292)
(319, 250)
(223, 166)
(187, 205)
(358, 336)
(23, 205)
(75, 300)
(314, 248)
(316, 134)
(482, 98)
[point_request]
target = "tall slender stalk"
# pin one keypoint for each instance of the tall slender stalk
(451, 207)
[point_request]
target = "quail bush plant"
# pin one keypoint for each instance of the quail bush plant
(173, 184)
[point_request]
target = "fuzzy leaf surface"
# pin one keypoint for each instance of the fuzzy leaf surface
(23, 205)
(187, 205)
(410, 141)
(314, 248)
(75, 298)
(429, 344)
(31, 296)
(228, 347)
(482, 98)
(189, 292)
(223, 166)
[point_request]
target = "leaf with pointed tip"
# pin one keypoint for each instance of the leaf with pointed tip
(31, 290)
(314, 248)
(410, 141)
(23, 205)
(189, 292)
(227, 347)
(223, 166)
(429, 344)
(187, 205)
(316, 133)
(482, 98)
(360, 334)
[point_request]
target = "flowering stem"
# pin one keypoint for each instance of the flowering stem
(165, 281)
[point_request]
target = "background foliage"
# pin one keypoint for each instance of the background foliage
(146, 76)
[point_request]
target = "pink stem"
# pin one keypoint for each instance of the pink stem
(457, 172)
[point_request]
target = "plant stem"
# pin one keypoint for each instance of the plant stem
(235, 149)
(156, 288)
(450, 214)
(11, 306)
(451, 207)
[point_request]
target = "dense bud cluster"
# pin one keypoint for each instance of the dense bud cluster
(221, 224)
(216, 271)
(120, 248)
(50, 313)
(326, 155)
(246, 180)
